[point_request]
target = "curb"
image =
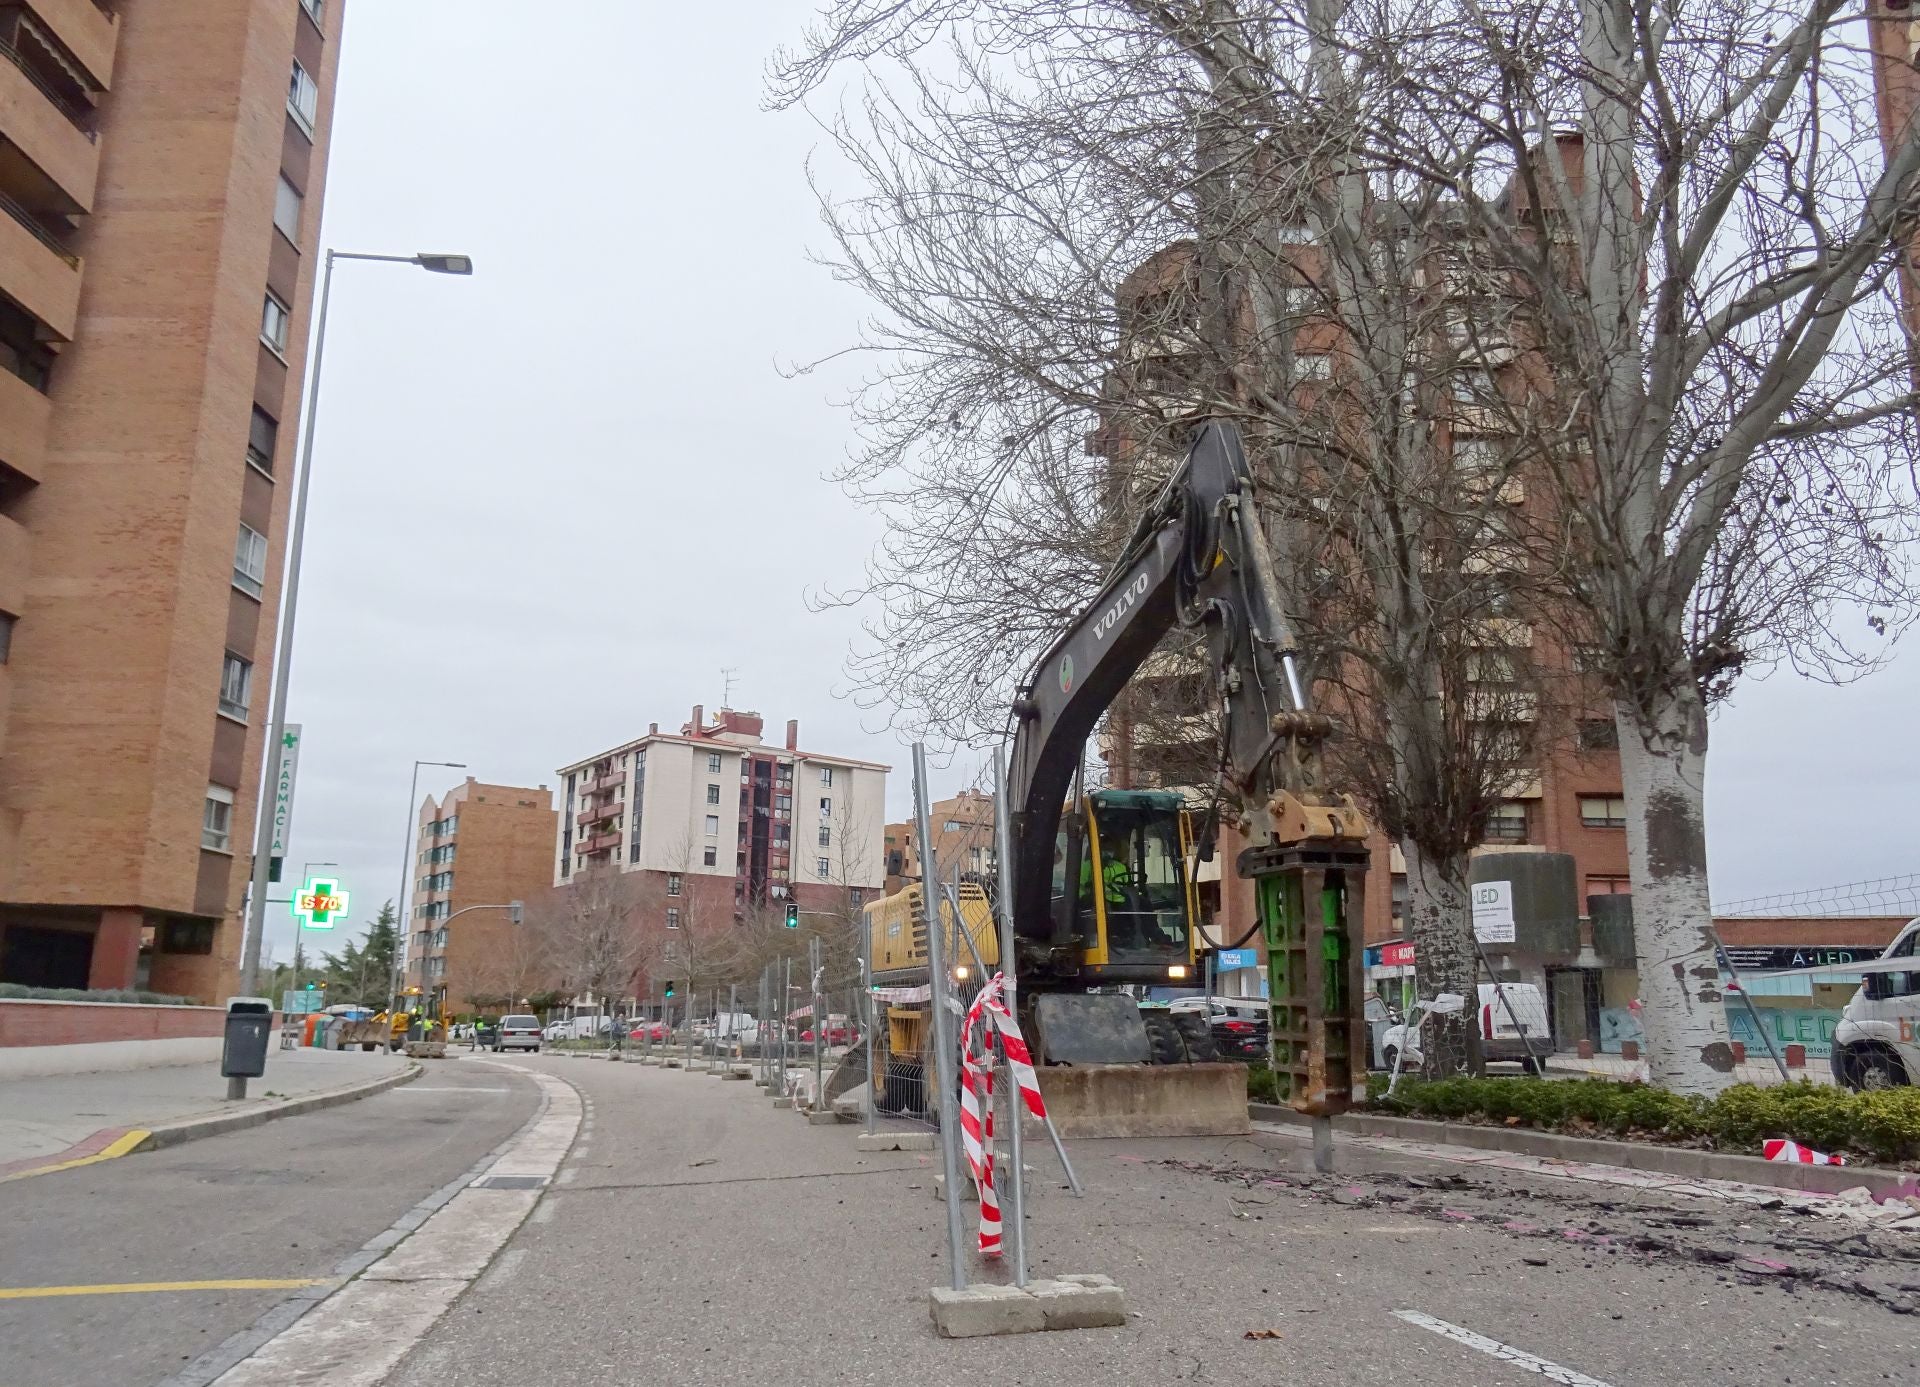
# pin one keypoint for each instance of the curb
(174, 1133)
(1681, 1161)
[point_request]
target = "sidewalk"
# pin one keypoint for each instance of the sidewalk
(43, 1118)
(1762, 1072)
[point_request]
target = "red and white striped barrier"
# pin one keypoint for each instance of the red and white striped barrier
(987, 1019)
(1777, 1149)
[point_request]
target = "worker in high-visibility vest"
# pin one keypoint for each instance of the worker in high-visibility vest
(1113, 875)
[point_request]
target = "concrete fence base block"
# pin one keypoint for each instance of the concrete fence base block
(893, 1141)
(737, 1074)
(1070, 1302)
(823, 1119)
(780, 1100)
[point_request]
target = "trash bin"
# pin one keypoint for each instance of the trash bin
(249, 1021)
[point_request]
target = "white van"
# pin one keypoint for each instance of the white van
(1877, 1044)
(1500, 1041)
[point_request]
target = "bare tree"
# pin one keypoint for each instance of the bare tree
(1145, 233)
(592, 925)
(519, 968)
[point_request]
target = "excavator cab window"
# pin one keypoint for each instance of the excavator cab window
(1140, 875)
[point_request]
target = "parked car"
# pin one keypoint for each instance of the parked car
(655, 1031)
(839, 1031)
(1240, 1025)
(518, 1033)
(1877, 1043)
(1500, 1039)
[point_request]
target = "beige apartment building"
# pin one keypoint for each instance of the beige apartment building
(962, 829)
(161, 169)
(476, 846)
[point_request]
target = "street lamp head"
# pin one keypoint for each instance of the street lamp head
(445, 264)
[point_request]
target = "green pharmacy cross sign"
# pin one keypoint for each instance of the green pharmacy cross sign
(322, 905)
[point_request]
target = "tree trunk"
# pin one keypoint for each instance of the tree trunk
(1439, 923)
(1663, 754)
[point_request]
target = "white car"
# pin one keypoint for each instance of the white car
(1877, 1044)
(518, 1033)
(1500, 1039)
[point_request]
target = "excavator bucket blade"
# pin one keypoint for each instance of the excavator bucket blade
(1090, 1028)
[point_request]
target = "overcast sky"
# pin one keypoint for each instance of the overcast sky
(553, 502)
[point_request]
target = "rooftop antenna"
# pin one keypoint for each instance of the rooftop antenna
(726, 696)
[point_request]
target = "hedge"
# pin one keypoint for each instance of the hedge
(20, 992)
(1883, 1126)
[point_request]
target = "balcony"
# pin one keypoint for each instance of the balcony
(23, 426)
(87, 28)
(15, 549)
(600, 811)
(611, 781)
(600, 842)
(41, 277)
(49, 129)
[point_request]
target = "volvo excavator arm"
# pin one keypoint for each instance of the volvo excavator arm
(1198, 559)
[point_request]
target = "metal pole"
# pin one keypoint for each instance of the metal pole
(941, 1022)
(1753, 1015)
(1500, 991)
(819, 1024)
(872, 1016)
(786, 991)
(1017, 1184)
(733, 1026)
(282, 673)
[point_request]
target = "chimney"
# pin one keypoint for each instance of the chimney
(699, 719)
(793, 734)
(653, 729)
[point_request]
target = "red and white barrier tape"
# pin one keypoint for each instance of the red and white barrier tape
(987, 1019)
(1777, 1149)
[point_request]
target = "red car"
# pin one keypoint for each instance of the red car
(838, 1033)
(656, 1031)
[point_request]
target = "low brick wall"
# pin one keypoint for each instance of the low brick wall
(24, 1022)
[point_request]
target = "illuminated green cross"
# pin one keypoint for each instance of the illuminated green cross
(322, 904)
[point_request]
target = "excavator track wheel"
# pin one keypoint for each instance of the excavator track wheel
(1196, 1038)
(1163, 1039)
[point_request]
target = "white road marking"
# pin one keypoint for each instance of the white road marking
(1506, 1353)
(356, 1336)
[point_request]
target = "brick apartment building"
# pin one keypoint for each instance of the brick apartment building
(714, 823)
(962, 829)
(160, 197)
(477, 845)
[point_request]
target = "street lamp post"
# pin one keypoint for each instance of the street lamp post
(403, 924)
(289, 602)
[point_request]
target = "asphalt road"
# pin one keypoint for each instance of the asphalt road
(696, 1235)
(287, 1200)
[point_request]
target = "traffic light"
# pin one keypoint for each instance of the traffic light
(669, 988)
(793, 915)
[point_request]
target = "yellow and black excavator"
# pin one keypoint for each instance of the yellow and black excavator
(1101, 889)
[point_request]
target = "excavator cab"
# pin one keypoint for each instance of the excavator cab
(1121, 891)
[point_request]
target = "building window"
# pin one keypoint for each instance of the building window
(710, 857)
(856, 897)
(1313, 366)
(1609, 886)
(713, 825)
(822, 867)
(1490, 667)
(316, 8)
(713, 763)
(713, 794)
(1507, 823)
(954, 826)
(673, 918)
(275, 322)
(826, 808)
(1599, 734)
(216, 823)
(826, 836)
(236, 687)
(286, 210)
(250, 561)
(1471, 386)
(673, 883)
(1603, 811)
(6, 635)
(826, 775)
(262, 436)
(1399, 889)
(303, 97)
